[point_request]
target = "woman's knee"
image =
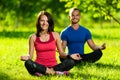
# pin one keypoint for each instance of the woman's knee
(70, 62)
(30, 66)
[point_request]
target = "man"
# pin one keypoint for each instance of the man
(75, 36)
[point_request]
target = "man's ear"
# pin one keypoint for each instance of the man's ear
(80, 16)
(69, 17)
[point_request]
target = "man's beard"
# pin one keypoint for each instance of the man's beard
(75, 21)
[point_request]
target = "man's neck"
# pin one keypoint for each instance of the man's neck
(75, 26)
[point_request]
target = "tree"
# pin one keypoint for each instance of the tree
(104, 8)
(26, 10)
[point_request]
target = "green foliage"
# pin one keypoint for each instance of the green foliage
(25, 11)
(22, 13)
(106, 8)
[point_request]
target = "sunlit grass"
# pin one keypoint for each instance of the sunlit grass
(15, 45)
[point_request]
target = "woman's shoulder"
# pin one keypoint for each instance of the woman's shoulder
(33, 36)
(55, 34)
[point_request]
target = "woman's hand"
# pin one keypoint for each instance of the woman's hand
(76, 56)
(24, 58)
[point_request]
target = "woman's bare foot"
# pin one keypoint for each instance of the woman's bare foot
(50, 71)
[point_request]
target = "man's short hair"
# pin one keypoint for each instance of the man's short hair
(73, 9)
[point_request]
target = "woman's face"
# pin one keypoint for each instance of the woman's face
(44, 22)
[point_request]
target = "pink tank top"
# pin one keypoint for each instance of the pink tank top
(46, 51)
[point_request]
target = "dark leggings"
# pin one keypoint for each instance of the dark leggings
(34, 67)
(90, 57)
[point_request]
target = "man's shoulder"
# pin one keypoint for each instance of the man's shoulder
(66, 29)
(84, 28)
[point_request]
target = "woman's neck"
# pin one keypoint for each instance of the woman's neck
(44, 36)
(44, 33)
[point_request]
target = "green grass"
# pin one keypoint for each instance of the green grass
(14, 43)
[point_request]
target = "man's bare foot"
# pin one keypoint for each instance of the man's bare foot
(76, 56)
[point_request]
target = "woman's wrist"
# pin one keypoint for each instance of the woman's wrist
(24, 58)
(28, 57)
(68, 56)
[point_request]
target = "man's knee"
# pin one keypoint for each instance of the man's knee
(99, 53)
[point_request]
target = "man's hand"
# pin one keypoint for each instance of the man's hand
(76, 56)
(103, 46)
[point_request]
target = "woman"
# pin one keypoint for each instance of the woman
(45, 41)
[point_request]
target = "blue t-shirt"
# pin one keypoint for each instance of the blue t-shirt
(75, 39)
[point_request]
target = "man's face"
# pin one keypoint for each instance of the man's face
(75, 17)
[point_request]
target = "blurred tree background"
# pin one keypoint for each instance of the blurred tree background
(22, 13)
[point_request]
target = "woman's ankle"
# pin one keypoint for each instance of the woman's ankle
(50, 71)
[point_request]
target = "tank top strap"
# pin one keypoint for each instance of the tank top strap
(37, 39)
(51, 36)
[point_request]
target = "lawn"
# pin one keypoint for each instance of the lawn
(13, 44)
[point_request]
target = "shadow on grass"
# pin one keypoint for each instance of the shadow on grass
(99, 65)
(15, 34)
(25, 34)
(82, 76)
(4, 76)
(108, 66)
(105, 36)
(88, 75)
